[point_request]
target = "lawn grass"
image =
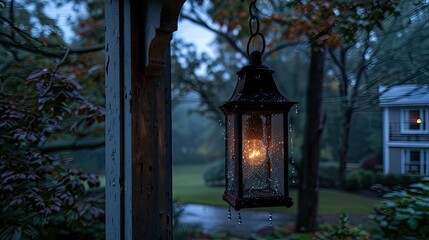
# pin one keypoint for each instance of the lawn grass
(188, 187)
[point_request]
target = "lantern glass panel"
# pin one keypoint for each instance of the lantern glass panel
(263, 155)
(230, 153)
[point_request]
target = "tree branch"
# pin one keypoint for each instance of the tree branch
(360, 71)
(413, 75)
(73, 146)
(280, 47)
(225, 36)
(341, 64)
(198, 86)
(232, 42)
(47, 53)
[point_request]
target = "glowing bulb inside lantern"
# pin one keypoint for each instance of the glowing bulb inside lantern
(254, 152)
(418, 121)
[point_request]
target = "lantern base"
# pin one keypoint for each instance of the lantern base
(239, 203)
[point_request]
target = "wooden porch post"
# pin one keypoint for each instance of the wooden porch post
(138, 118)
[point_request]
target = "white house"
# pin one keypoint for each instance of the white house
(405, 128)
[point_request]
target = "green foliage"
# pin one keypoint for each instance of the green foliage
(343, 19)
(188, 147)
(210, 88)
(405, 214)
(397, 180)
(40, 197)
(353, 182)
(182, 231)
(365, 179)
(390, 179)
(214, 175)
(328, 174)
(344, 230)
(281, 233)
(378, 177)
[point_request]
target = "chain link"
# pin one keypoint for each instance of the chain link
(254, 32)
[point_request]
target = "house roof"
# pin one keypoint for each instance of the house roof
(404, 95)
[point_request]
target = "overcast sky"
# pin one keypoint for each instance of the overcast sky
(187, 31)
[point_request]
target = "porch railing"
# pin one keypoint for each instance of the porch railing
(395, 134)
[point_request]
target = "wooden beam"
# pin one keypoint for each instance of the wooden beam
(114, 120)
(138, 118)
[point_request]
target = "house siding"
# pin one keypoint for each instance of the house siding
(395, 128)
(395, 115)
(395, 160)
(399, 139)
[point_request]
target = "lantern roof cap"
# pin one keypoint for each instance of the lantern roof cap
(256, 86)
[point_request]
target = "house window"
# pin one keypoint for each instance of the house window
(414, 121)
(415, 161)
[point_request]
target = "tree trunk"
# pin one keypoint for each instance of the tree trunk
(308, 197)
(345, 135)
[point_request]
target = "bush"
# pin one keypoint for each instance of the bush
(214, 175)
(391, 180)
(379, 177)
(342, 231)
(328, 174)
(405, 214)
(41, 197)
(401, 180)
(182, 230)
(407, 179)
(353, 182)
(366, 179)
(370, 162)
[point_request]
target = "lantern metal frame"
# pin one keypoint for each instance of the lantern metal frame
(255, 94)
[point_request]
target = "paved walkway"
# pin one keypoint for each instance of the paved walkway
(215, 219)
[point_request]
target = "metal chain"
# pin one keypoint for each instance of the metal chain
(254, 34)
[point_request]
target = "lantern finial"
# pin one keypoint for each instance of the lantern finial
(256, 58)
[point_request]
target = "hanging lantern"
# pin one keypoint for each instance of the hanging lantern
(256, 118)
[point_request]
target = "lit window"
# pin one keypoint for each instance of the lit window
(414, 121)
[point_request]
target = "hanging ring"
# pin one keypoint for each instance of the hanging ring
(254, 33)
(253, 37)
(252, 4)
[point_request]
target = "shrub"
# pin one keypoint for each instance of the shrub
(214, 174)
(405, 214)
(379, 177)
(328, 174)
(182, 230)
(366, 179)
(342, 231)
(407, 179)
(370, 162)
(391, 180)
(353, 182)
(41, 197)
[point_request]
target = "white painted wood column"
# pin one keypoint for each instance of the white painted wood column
(386, 140)
(138, 118)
